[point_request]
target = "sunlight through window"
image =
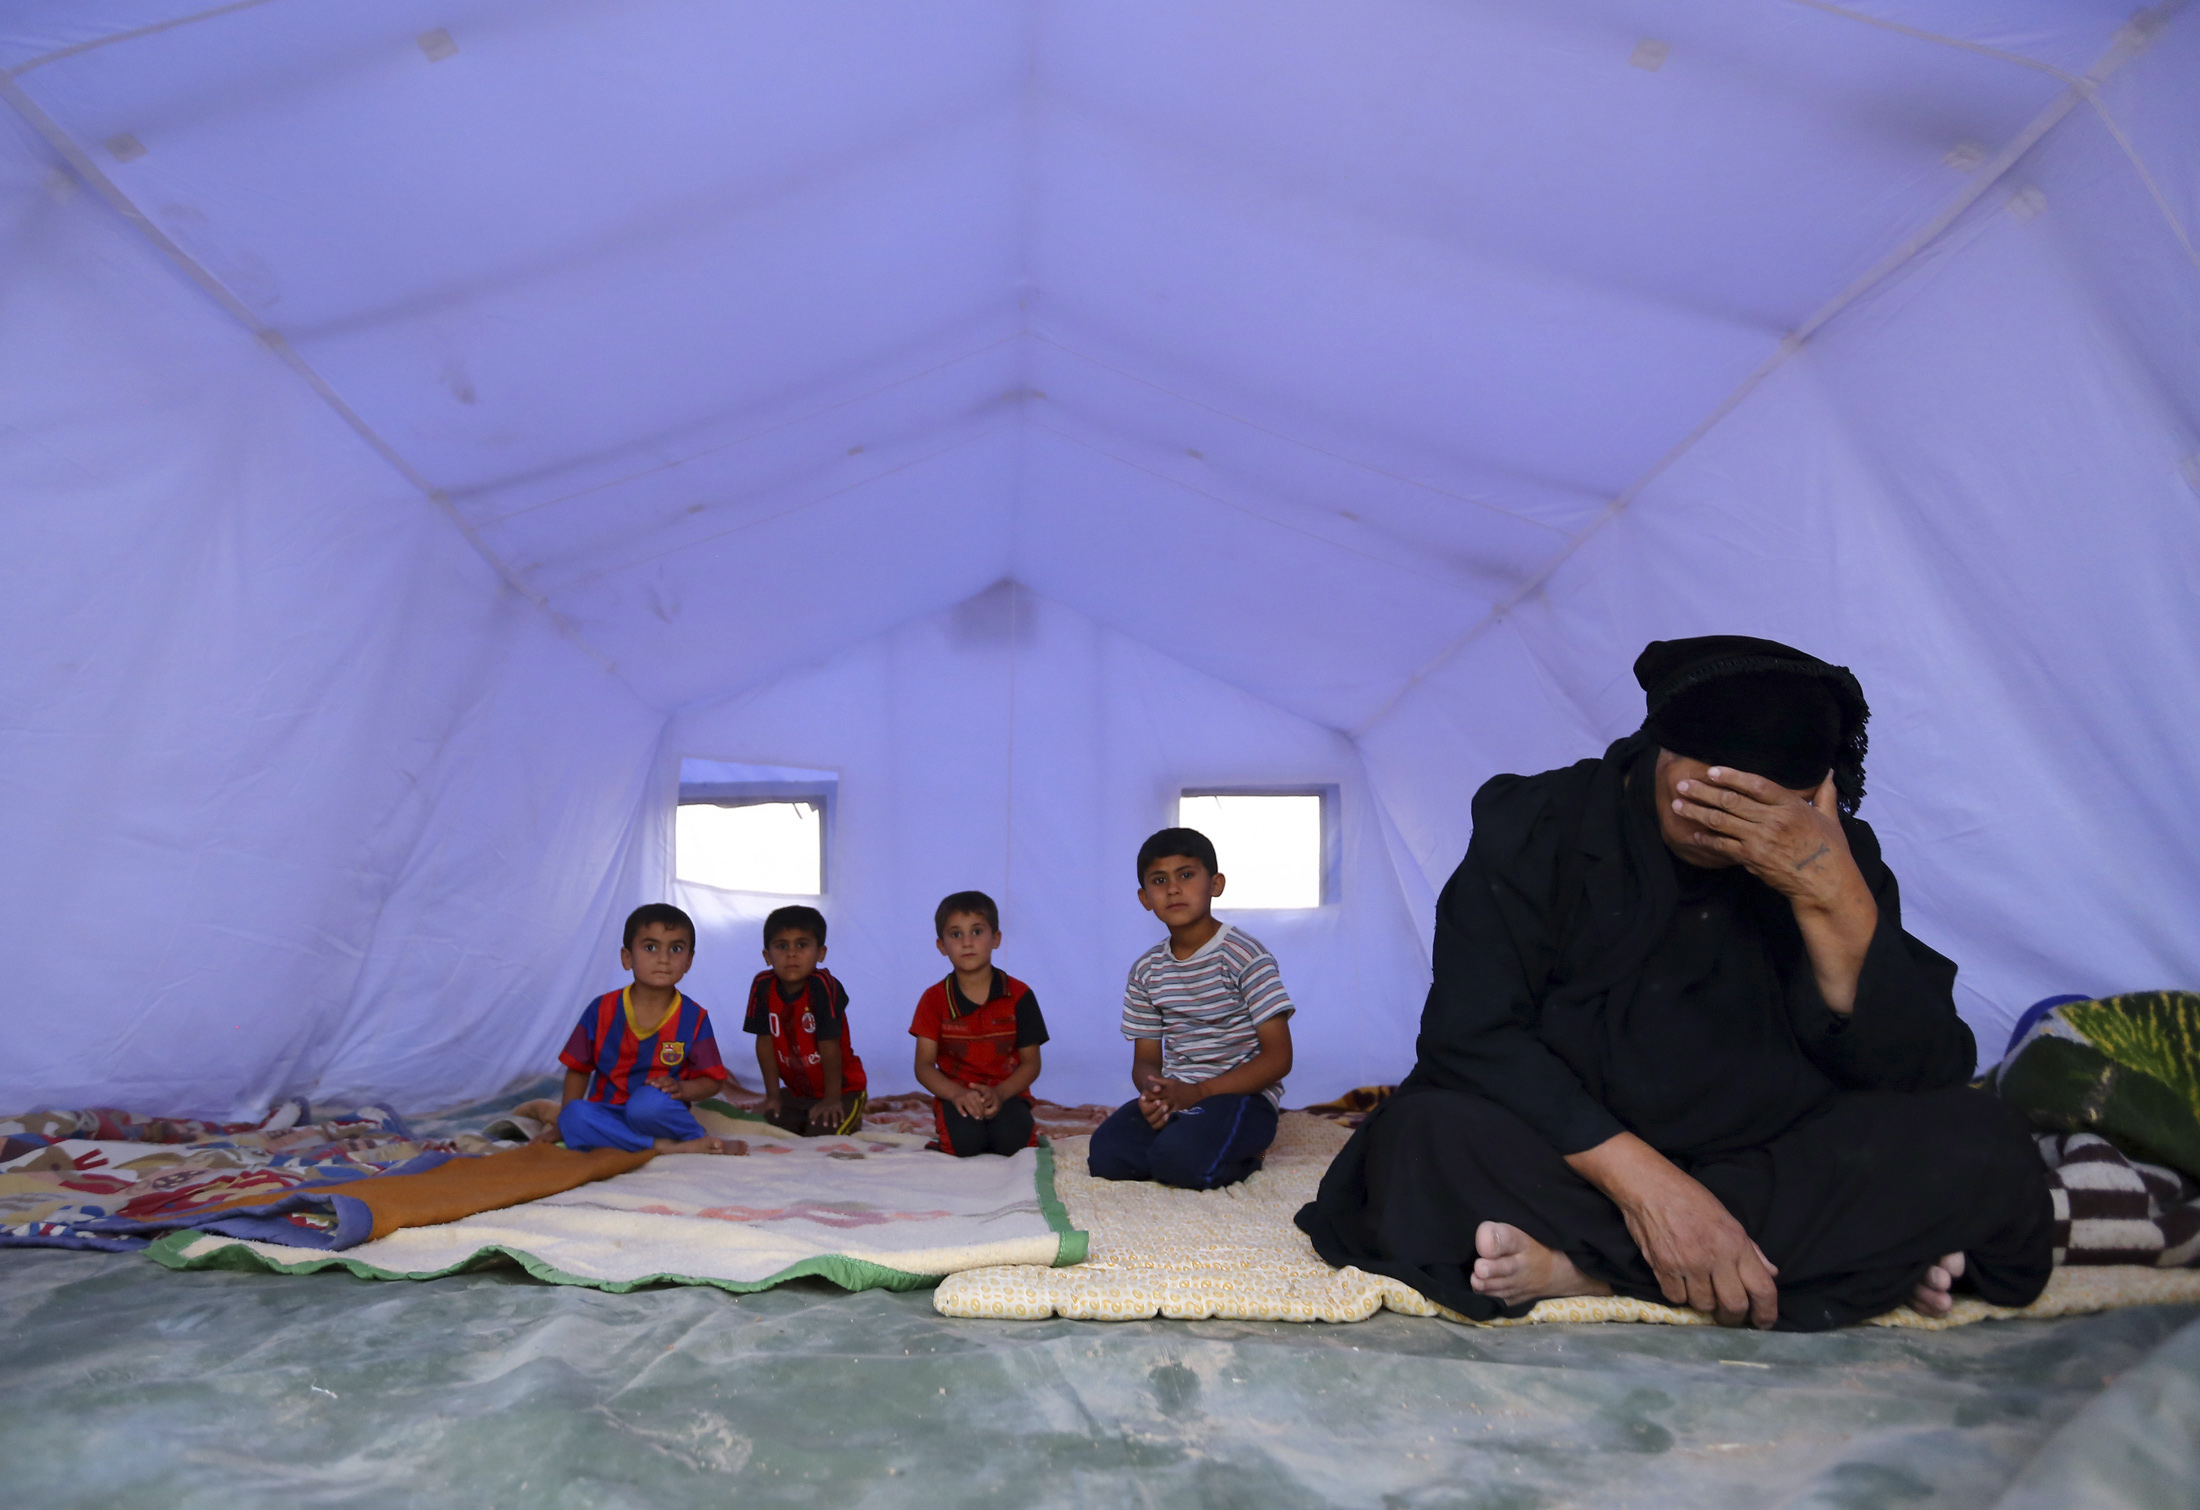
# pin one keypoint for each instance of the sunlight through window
(776, 847)
(1269, 845)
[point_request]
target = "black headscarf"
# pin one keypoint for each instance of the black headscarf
(1760, 707)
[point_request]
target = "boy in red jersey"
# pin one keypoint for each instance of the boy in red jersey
(640, 1056)
(813, 1081)
(978, 1034)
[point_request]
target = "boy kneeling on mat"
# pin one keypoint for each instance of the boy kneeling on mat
(639, 1057)
(813, 1081)
(1206, 1013)
(978, 1034)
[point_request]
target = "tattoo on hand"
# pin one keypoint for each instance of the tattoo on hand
(1823, 851)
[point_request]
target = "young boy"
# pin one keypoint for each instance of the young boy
(799, 1015)
(639, 1057)
(1207, 1016)
(978, 1034)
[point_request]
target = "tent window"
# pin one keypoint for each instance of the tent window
(753, 828)
(1277, 846)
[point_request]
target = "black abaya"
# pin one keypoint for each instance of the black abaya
(1588, 982)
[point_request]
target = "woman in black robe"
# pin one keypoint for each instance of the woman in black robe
(1678, 1046)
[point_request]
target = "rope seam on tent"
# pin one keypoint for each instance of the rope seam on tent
(74, 48)
(272, 339)
(2131, 39)
(742, 440)
(764, 519)
(1922, 35)
(1251, 513)
(2161, 201)
(1365, 466)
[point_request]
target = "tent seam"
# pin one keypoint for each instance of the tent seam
(808, 503)
(1248, 511)
(2131, 39)
(93, 44)
(2138, 164)
(742, 440)
(272, 339)
(1337, 456)
(1922, 35)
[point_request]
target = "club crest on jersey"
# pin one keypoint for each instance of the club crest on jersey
(672, 1055)
(809, 1022)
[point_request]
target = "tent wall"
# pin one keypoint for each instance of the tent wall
(1291, 359)
(1013, 746)
(1976, 487)
(296, 796)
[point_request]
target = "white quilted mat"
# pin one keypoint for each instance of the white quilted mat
(1234, 1255)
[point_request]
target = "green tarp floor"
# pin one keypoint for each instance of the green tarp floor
(123, 1384)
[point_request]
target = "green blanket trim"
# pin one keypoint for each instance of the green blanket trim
(848, 1273)
(1071, 1247)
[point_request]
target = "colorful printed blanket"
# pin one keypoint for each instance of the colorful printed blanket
(101, 1178)
(2125, 1067)
(874, 1210)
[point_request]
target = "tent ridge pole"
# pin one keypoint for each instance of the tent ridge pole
(2018, 58)
(92, 44)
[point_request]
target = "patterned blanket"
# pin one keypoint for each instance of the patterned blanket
(105, 1178)
(2124, 1067)
(102, 1178)
(874, 1210)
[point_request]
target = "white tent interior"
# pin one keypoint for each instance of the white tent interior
(427, 423)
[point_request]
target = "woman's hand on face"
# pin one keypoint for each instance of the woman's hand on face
(1791, 843)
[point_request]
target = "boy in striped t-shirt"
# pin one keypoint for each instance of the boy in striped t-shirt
(1208, 1021)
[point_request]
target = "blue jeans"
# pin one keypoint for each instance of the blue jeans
(649, 1114)
(1218, 1142)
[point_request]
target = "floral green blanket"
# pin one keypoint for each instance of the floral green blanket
(2124, 1067)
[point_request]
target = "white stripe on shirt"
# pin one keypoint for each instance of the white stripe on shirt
(1205, 1009)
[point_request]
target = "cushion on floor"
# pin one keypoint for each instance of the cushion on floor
(1233, 1254)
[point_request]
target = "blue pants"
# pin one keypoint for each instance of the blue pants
(649, 1114)
(1216, 1143)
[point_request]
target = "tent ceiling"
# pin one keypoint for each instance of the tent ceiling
(739, 333)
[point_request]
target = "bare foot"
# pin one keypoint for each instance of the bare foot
(1935, 1293)
(1514, 1267)
(703, 1145)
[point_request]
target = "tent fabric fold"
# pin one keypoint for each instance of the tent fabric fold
(423, 428)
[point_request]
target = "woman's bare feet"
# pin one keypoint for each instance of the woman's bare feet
(703, 1145)
(1935, 1293)
(1514, 1267)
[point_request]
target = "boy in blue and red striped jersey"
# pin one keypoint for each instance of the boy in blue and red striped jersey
(813, 1082)
(978, 1034)
(639, 1057)
(1209, 1024)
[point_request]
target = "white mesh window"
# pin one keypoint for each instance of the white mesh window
(758, 846)
(753, 828)
(1273, 846)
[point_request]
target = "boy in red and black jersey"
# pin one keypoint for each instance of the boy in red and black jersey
(978, 1034)
(813, 1082)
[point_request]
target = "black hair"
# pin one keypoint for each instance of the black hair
(808, 919)
(975, 903)
(658, 912)
(1188, 842)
